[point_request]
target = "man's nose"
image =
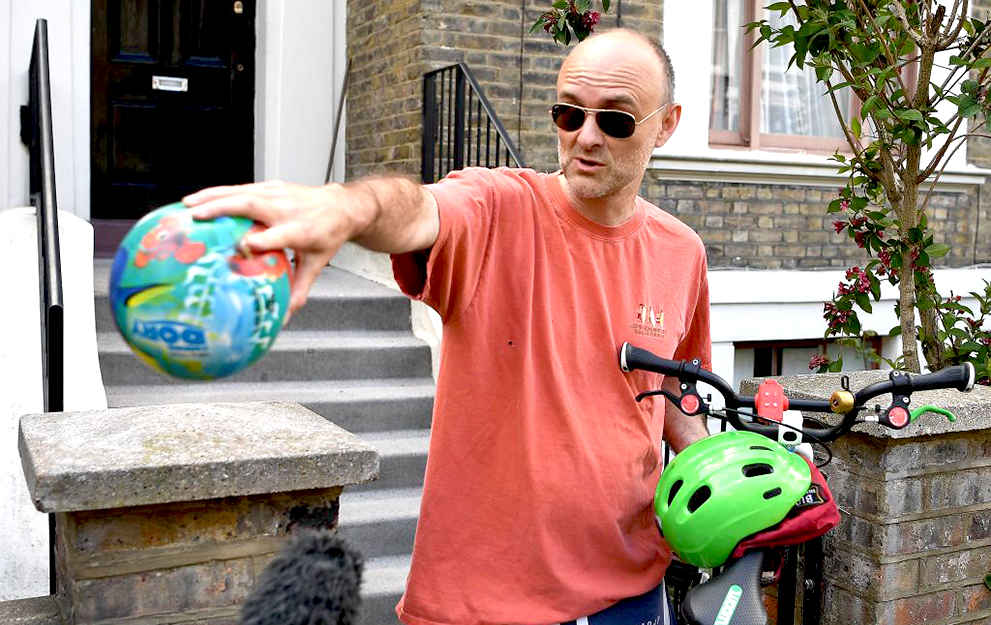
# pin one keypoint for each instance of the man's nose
(590, 135)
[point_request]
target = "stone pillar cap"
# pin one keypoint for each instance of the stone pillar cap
(143, 455)
(973, 409)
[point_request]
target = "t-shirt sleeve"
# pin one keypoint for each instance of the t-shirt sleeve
(698, 340)
(446, 276)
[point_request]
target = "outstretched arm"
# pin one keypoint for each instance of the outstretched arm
(385, 214)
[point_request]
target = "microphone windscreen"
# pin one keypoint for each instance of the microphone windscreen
(315, 580)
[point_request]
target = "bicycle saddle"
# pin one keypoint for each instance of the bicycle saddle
(733, 598)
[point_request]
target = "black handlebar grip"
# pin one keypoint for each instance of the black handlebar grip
(960, 377)
(632, 358)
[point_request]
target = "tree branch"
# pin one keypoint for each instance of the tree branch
(939, 155)
(892, 60)
(903, 18)
(925, 202)
(968, 52)
(854, 142)
(948, 39)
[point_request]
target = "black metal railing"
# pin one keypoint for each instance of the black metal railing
(460, 127)
(36, 133)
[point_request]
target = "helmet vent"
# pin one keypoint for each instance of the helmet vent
(771, 494)
(754, 470)
(760, 448)
(674, 491)
(698, 498)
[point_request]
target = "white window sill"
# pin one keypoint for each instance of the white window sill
(781, 168)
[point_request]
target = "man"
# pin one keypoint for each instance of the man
(542, 466)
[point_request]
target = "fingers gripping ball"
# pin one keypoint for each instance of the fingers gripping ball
(724, 488)
(188, 302)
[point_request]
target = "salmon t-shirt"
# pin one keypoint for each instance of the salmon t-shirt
(537, 499)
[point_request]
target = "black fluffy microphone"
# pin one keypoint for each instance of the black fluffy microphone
(313, 581)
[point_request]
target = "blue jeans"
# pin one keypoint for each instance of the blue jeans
(650, 608)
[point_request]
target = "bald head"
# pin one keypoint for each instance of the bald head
(666, 71)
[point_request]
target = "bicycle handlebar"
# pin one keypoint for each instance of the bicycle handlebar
(899, 384)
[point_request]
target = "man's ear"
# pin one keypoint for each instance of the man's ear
(672, 115)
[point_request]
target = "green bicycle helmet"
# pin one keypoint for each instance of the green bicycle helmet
(724, 488)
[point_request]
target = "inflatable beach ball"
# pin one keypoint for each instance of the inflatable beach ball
(188, 302)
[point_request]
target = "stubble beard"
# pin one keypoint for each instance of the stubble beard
(617, 174)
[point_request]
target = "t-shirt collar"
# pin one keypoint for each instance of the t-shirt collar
(567, 211)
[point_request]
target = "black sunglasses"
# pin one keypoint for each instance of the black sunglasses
(618, 124)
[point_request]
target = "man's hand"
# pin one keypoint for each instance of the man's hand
(680, 430)
(297, 216)
(386, 214)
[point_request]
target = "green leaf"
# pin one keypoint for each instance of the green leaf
(582, 5)
(982, 63)
(836, 366)
(605, 5)
(834, 206)
(895, 331)
(910, 115)
(971, 346)
(863, 302)
(956, 60)
(537, 25)
(936, 250)
(779, 6)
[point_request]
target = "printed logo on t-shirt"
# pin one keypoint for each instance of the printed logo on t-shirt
(649, 322)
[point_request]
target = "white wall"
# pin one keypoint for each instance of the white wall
(68, 35)
(24, 555)
(301, 61)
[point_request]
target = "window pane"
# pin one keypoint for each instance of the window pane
(727, 64)
(791, 102)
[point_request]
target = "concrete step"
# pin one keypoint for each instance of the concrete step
(380, 522)
(349, 355)
(383, 583)
(356, 405)
(338, 301)
(402, 456)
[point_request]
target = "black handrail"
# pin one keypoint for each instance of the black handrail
(460, 127)
(36, 133)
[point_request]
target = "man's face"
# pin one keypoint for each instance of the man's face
(612, 71)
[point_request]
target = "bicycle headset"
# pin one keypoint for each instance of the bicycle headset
(723, 489)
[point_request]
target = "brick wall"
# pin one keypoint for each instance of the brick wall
(914, 543)
(787, 227)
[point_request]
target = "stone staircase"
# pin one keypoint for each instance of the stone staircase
(350, 356)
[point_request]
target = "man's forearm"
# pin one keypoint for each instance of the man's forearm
(391, 214)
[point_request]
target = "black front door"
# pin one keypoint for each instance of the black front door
(172, 104)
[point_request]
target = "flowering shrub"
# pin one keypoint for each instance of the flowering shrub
(567, 17)
(862, 46)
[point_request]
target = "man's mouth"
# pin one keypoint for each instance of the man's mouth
(587, 163)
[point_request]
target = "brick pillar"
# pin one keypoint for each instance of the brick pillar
(169, 513)
(914, 544)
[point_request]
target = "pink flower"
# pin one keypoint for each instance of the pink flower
(844, 205)
(818, 361)
(591, 18)
(839, 225)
